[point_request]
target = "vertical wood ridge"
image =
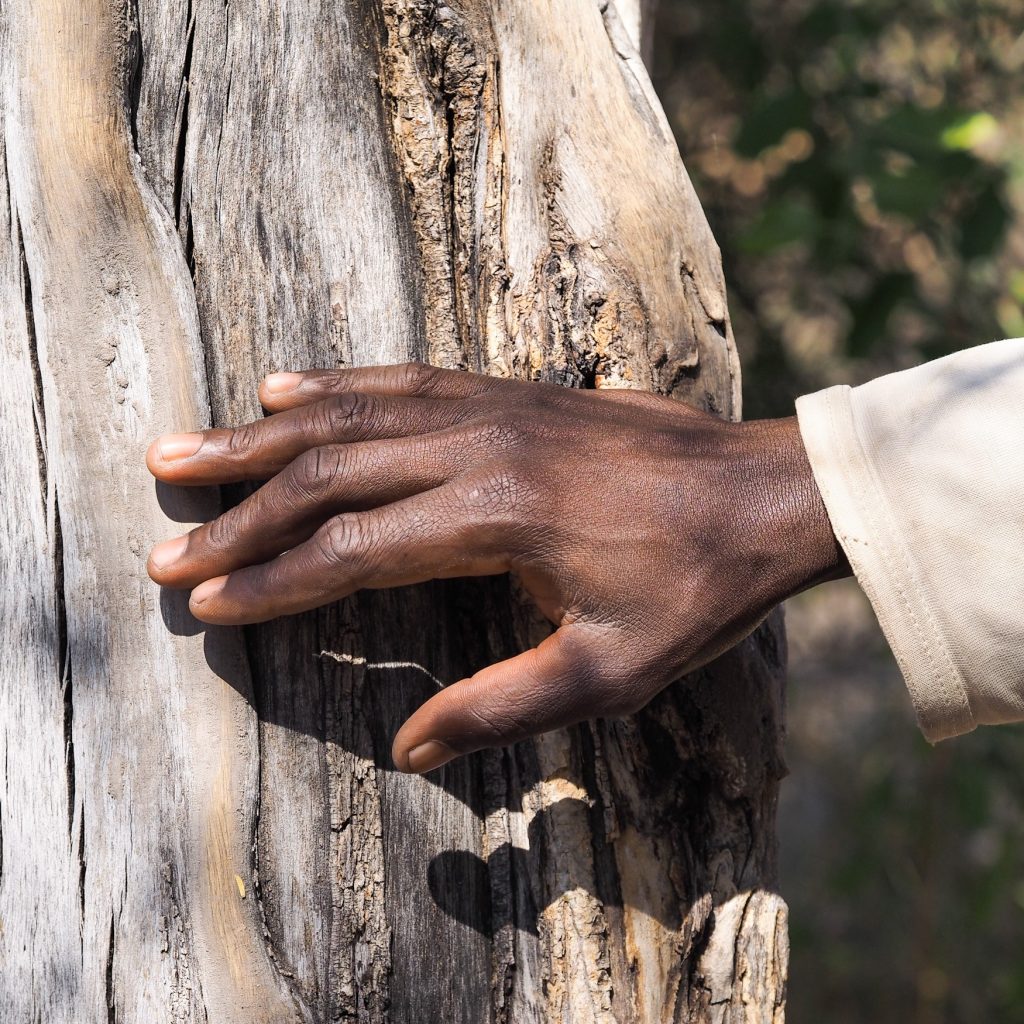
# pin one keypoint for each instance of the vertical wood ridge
(35, 817)
(328, 184)
(116, 344)
(38, 409)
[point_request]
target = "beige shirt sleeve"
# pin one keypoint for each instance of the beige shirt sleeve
(922, 474)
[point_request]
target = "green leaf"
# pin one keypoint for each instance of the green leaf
(970, 131)
(918, 131)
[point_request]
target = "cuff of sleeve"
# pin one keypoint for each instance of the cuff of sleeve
(862, 517)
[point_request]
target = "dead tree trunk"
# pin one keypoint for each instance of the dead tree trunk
(205, 825)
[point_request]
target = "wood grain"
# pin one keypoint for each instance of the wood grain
(159, 744)
(206, 826)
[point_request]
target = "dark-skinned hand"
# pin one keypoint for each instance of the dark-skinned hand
(652, 535)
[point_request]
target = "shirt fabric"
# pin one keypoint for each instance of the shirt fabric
(922, 475)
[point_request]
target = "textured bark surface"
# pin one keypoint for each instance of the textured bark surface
(205, 825)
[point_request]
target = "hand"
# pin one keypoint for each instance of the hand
(653, 535)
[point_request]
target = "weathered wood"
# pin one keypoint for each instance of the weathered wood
(206, 826)
(159, 760)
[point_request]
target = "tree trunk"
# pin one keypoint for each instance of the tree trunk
(204, 825)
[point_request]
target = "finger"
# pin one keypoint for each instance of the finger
(410, 380)
(428, 536)
(289, 508)
(546, 688)
(257, 450)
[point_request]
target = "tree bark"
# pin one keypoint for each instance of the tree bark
(203, 825)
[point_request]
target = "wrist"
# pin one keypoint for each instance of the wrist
(788, 531)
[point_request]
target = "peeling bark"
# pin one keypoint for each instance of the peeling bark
(205, 827)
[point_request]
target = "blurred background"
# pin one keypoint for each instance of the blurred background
(862, 167)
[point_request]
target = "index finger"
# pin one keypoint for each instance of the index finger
(287, 390)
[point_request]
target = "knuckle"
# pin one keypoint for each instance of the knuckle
(245, 441)
(222, 531)
(314, 473)
(341, 541)
(334, 379)
(341, 415)
(419, 378)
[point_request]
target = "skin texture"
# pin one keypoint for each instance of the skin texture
(654, 536)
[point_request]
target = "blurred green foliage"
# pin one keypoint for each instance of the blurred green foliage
(862, 164)
(903, 864)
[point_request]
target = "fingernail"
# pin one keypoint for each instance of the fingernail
(276, 383)
(207, 590)
(169, 551)
(428, 756)
(178, 446)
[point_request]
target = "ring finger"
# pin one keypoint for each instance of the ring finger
(428, 536)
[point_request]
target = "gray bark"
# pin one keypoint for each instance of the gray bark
(204, 825)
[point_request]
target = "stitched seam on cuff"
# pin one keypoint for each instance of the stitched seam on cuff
(887, 574)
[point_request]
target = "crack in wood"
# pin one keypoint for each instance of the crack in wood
(82, 865)
(38, 405)
(257, 888)
(181, 141)
(133, 71)
(8, 198)
(108, 977)
(65, 666)
(49, 496)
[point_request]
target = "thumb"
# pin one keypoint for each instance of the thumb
(546, 688)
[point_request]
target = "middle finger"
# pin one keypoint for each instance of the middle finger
(289, 508)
